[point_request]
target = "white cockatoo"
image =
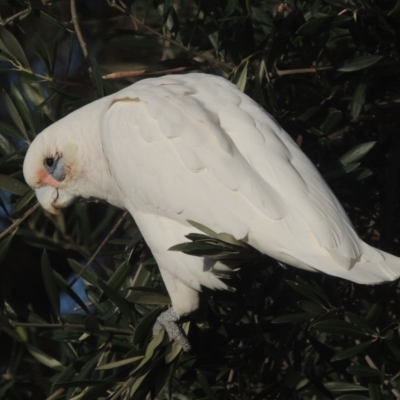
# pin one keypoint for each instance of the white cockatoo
(195, 148)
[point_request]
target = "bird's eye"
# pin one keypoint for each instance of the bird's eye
(49, 162)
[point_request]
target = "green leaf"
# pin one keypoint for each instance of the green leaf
(361, 62)
(23, 201)
(358, 100)
(311, 307)
(72, 369)
(115, 297)
(361, 322)
(145, 326)
(14, 114)
(23, 107)
(205, 386)
(375, 392)
(86, 275)
(305, 289)
(11, 44)
(119, 276)
(121, 363)
(292, 318)
(142, 295)
(4, 246)
(12, 185)
(50, 283)
(64, 286)
(10, 131)
(356, 153)
(336, 326)
(351, 351)
(322, 23)
(352, 397)
(6, 147)
(242, 79)
(331, 121)
(44, 358)
(97, 77)
(363, 371)
(343, 387)
(225, 237)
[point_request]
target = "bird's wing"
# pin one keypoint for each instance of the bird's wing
(194, 147)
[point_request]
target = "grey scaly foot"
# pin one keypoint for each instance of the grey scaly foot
(168, 320)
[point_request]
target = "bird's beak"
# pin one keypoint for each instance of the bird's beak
(53, 199)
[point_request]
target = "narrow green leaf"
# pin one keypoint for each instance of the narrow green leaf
(205, 386)
(69, 371)
(375, 392)
(14, 114)
(119, 276)
(4, 246)
(23, 201)
(337, 326)
(64, 286)
(6, 147)
(361, 62)
(343, 387)
(115, 297)
(242, 80)
(10, 131)
(358, 100)
(331, 121)
(44, 358)
(292, 318)
(120, 363)
(12, 185)
(50, 283)
(13, 47)
(145, 326)
(97, 77)
(225, 237)
(361, 322)
(351, 351)
(305, 289)
(87, 275)
(136, 295)
(322, 24)
(23, 107)
(356, 153)
(352, 397)
(363, 371)
(311, 307)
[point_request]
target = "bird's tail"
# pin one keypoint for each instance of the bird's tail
(375, 266)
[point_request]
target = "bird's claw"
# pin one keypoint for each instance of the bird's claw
(167, 320)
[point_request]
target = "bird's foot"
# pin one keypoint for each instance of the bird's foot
(167, 320)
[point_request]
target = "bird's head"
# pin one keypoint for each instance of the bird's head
(50, 168)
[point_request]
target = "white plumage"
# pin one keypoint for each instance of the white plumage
(193, 147)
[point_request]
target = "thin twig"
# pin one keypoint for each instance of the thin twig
(106, 239)
(11, 19)
(18, 221)
(55, 394)
(78, 31)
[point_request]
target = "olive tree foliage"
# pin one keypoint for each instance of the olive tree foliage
(328, 71)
